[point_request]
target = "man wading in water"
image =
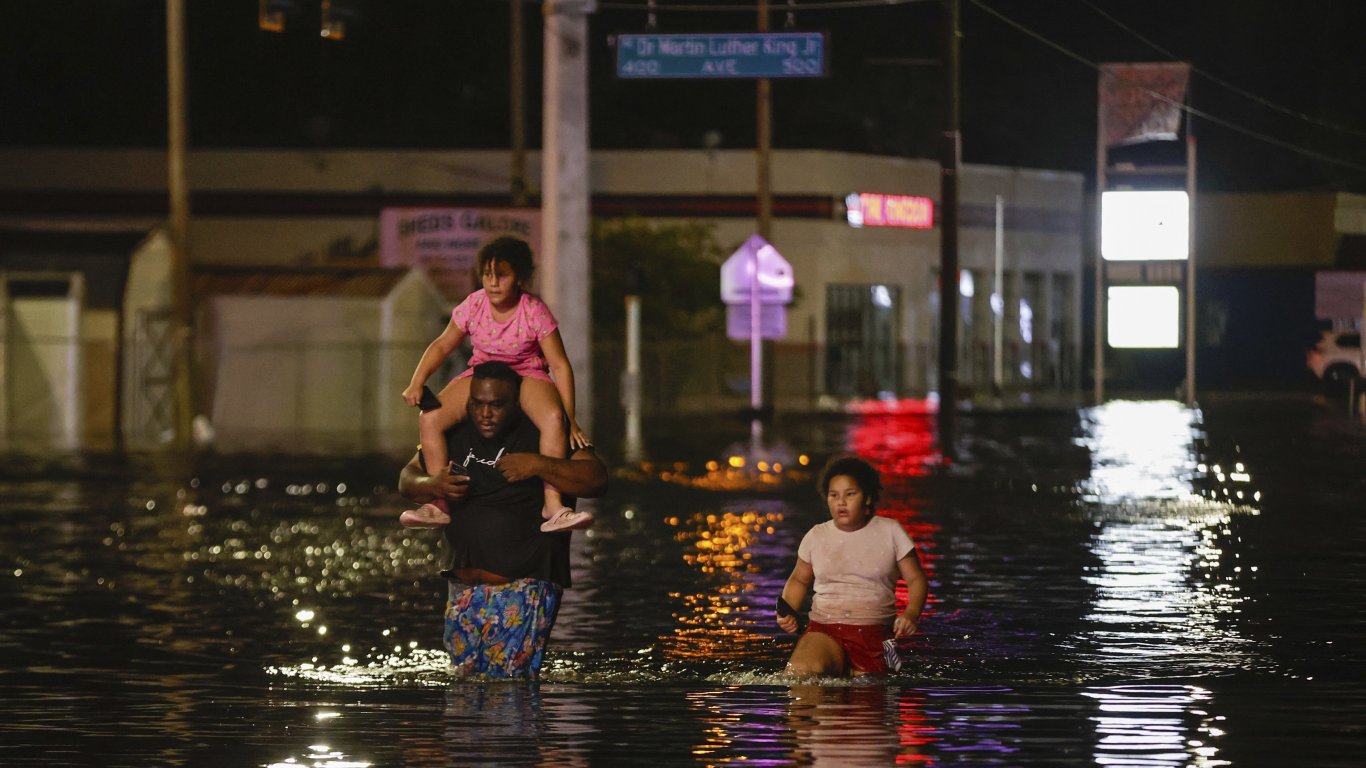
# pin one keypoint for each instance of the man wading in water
(505, 575)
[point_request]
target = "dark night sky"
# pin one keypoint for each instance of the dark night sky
(433, 74)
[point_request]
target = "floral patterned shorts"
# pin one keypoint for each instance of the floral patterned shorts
(500, 631)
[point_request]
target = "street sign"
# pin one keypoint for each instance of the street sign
(756, 270)
(772, 322)
(721, 55)
(775, 279)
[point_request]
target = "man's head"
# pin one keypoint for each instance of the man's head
(493, 403)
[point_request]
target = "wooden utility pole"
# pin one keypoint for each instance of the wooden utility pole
(518, 98)
(948, 241)
(763, 141)
(178, 187)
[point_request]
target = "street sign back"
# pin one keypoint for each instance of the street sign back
(721, 55)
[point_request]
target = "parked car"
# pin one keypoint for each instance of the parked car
(1338, 358)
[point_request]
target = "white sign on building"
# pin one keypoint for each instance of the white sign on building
(445, 241)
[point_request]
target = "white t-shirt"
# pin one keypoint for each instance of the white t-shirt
(855, 571)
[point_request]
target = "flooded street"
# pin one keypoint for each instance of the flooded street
(1131, 585)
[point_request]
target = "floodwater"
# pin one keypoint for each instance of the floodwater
(1131, 585)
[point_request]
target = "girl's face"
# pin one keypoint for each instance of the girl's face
(849, 508)
(500, 283)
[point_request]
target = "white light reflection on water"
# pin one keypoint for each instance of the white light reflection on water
(1141, 450)
(1161, 586)
(418, 666)
(1144, 726)
(1163, 595)
(320, 756)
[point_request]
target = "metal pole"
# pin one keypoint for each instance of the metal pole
(1190, 269)
(178, 188)
(999, 309)
(948, 244)
(1098, 349)
(756, 354)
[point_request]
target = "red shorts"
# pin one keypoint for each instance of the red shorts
(861, 643)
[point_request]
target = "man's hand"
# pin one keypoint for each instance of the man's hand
(582, 474)
(520, 466)
(420, 486)
(452, 488)
(788, 622)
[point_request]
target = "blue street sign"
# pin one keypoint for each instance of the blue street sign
(739, 55)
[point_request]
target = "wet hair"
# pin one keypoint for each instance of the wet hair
(513, 252)
(498, 371)
(863, 473)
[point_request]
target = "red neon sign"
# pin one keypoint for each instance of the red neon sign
(873, 209)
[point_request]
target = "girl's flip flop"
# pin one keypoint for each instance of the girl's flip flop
(567, 519)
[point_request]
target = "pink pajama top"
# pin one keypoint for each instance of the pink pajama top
(515, 341)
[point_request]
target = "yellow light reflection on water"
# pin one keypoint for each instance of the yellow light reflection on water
(735, 473)
(710, 623)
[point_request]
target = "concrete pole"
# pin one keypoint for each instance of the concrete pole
(630, 385)
(179, 190)
(565, 264)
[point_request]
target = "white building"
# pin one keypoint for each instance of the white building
(866, 323)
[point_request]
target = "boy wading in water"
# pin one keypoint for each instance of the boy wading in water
(852, 561)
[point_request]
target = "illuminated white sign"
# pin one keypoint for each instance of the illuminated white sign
(1144, 226)
(1144, 317)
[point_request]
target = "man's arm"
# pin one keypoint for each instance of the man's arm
(582, 474)
(416, 484)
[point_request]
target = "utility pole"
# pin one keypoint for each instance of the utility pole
(567, 269)
(763, 141)
(178, 188)
(518, 99)
(948, 242)
(762, 386)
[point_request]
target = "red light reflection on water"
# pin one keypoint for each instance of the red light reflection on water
(898, 438)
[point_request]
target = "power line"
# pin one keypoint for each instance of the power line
(1224, 83)
(828, 5)
(1191, 111)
